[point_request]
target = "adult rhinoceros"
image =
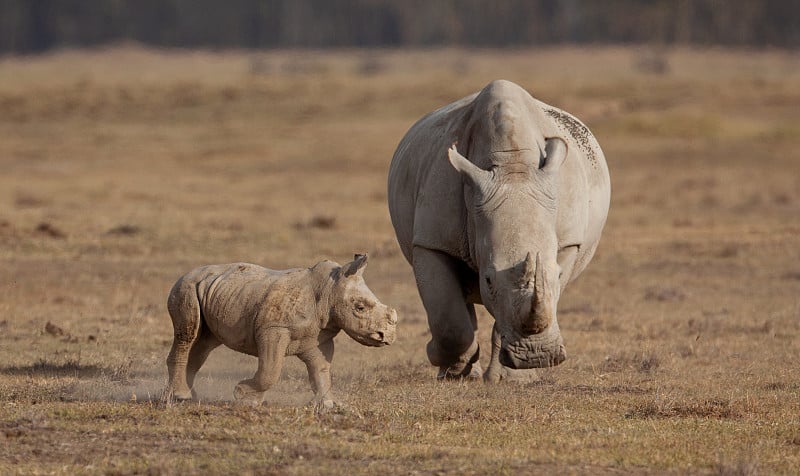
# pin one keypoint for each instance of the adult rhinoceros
(507, 225)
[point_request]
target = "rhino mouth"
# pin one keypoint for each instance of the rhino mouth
(380, 338)
(534, 351)
(375, 339)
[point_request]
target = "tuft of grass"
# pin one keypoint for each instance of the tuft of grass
(670, 406)
(645, 361)
(740, 468)
(49, 230)
(124, 230)
(322, 222)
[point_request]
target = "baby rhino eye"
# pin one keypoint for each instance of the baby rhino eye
(360, 307)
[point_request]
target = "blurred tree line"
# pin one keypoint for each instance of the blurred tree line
(37, 25)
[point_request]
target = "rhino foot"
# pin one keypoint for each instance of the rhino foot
(330, 405)
(507, 374)
(184, 396)
(169, 396)
(247, 394)
(472, 371)
(327, 405)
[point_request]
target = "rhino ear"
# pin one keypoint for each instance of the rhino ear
(555, 151)
(355, 267)
(476, 175)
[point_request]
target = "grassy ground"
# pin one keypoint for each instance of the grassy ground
(122, 169)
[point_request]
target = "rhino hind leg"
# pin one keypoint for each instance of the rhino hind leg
(184, 309)
(201, 348)
(452, 320)
(177, 388)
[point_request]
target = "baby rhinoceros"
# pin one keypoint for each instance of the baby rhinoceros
(271, 314)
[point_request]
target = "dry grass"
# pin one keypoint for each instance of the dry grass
(124, 168)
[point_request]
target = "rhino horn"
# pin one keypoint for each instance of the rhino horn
(539, 318)
(528, 269)
(538, 283)
(478, 177)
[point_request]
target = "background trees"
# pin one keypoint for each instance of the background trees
(37, 25)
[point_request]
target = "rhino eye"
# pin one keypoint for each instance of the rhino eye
(361, 305)
(488, 280)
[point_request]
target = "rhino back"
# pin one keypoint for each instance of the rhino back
(426, 195)
(239, 299)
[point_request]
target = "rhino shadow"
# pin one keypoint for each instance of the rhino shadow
(65, 369)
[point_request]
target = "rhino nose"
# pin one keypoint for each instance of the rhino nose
(390, 337)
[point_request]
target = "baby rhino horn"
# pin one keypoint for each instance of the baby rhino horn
(355, 267)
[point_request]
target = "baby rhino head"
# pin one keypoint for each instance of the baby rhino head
(357, 311)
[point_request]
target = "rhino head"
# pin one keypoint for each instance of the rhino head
(356, 310)
(512, 214)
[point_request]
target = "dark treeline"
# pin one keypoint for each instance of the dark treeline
(38, 25)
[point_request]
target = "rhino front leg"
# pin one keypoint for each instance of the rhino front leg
(318, 363)
(494, 371)
(272, 345)
(452, 320)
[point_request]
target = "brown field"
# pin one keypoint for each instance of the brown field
(124, 168)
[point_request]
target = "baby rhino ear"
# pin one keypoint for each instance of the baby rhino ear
(355, 267)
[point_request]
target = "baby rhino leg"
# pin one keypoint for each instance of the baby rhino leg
(184, 309)
(272, 346)
(202, 346)
(318, 363)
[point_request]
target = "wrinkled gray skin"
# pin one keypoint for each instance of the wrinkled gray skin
(271, 314)
(497, 199)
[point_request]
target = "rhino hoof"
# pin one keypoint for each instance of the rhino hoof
(520, 376)
(492, 375)
(246, 394)
(324, 406)
(169, 396)
(329, 406)
(476, 373)
(470, 372)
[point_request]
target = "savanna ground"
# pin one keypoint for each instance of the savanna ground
(124, 168)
